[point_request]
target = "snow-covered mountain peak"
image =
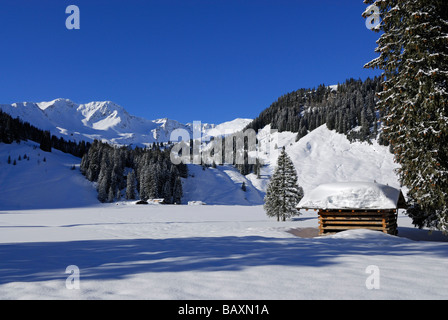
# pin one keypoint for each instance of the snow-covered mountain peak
(161, 120)
(96, 110)
(103, 120)
(167, 123)
(57, 103)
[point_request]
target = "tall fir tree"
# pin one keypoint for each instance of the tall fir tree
(177, 191)
(413, 54)
(144, 186)
(130, 186)
(167, 192)
(45, 142)
(111, 195)
(283, 193)
(103, 184)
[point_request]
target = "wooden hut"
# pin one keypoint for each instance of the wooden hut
(353, 205)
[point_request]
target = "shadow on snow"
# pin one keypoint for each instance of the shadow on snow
(116, 259)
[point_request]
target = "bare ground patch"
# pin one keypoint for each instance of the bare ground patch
(304, 232)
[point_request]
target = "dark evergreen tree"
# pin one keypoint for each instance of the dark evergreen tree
(111, 195)
(283, 193)
(177, 191)
(130, 186)
(103, 184)
(45, 143)
(413, 54)
(167, 193)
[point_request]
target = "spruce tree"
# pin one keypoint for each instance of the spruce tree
(111, 195)
(153, 183)
(283, 193)
(45, 142)
(177, 191)
(143, 189)
(414, 101)
(130, 186)
(103, 184)
(167, 192)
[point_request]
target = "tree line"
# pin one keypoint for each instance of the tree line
(16, 130)
(139, 173)
(352, 105)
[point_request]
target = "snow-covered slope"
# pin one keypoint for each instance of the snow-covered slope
(321, 157)
(41, 180)
(325, 156)
(227, 128)
(220, 186)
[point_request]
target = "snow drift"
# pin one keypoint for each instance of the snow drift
(42, 180)
(352, 195)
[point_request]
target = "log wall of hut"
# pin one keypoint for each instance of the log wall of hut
(333, 220)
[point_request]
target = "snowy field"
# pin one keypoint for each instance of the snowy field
(127, 251)
(50, 219)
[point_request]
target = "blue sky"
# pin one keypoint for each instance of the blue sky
(207, 60)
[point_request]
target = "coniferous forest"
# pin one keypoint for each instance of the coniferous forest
(143, 173)
(352, 105)
(16, 130)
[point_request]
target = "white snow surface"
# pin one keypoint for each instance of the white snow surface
(227, 128)
(219, 186)
(353, 195)
(45, 181)
(170, 252)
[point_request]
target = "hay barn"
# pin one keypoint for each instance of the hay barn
(352, 205)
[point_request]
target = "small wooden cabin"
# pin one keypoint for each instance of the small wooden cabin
(354, 205)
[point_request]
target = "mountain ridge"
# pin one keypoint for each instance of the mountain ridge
(104, 120)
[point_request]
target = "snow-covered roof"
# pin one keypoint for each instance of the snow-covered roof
(353, 195)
